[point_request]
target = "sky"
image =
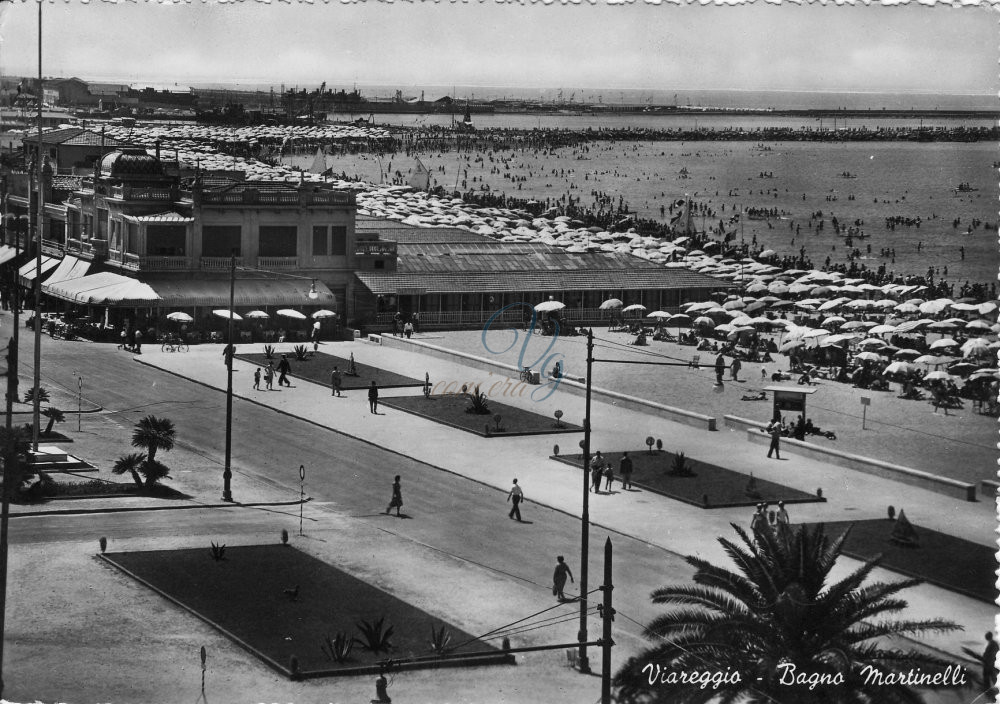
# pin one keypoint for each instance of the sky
(762, 46)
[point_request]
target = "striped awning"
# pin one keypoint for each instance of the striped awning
(105, 288)
(7, 253)
(69, 268)
(29, 269)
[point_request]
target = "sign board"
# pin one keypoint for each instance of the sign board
(790, 399)
(866, 400)
(411, 291)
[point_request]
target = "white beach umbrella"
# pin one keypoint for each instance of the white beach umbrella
(323, 313)
(659, 314)
(634, 306)
(611, 304)
(257, 314)
(943, 343)
(180, 317)
(290, 313)
(223, 313)
(546, 306)
(868, 357)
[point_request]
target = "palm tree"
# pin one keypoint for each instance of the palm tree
(152, 434)
(43, 395)
(130, 463)
(771, 629)
(55, 416)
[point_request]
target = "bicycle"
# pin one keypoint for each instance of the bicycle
(174, 346)
(527, 375)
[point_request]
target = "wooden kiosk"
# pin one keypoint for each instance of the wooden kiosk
(789, 399)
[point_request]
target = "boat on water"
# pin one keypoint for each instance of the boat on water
(965, 188)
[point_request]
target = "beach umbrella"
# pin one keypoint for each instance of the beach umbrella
(914, 301)
(223, 313)
(734, 305)
(979, 325)
(937, 374)
(790, 345)
(743, 320)
(679, 319)
(868, 357)
(323, 313)
(755, 305)
(853, 325)
(987, 308)
(257, 314)
(777, 287)
(943, 343)
(725, 327)
(942, 325)
(543, 307)
(611, 304)
(985, 374)
(882, 329)
(912, 325)
(900, 368)
(815, 333)
(906, 354)
(703, 322)
(872, 342)
(975, 347)
(833, 340)
(932, 360)
(756, 287)
(907, 308)
(289, 313)
(634, 306)
(767, 253)
(964, 306)
(833, 303)
(782, 304)
(885, 303)
(659, 314)
(858, 304)
(962, 368)
(820, 290)
(180, 317)
(936, 306)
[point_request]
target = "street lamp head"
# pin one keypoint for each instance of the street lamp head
(313, 293)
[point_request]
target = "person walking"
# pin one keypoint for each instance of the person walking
(720, 369)
(781, 519)
(734, 369)
(315, 335)
(336, 382)
(609, 476)
(373, 397)
(774, 430)
(228, 352)
(597, 471)
(284, 368)
(408, 329)
(989, 662)
(559, 578)
(625, 469)
(256, 379)
(516, 496)
(269, 377)
(397, 497)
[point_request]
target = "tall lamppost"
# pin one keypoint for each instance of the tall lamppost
(39, 232)
(583, 663)
(227, 472)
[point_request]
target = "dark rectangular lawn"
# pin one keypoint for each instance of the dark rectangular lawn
(723, 487)
(450, 409)
(949, 562)
(317, 367)
(244, 596)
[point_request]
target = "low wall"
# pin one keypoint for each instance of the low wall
(886, 470)
(578, 388)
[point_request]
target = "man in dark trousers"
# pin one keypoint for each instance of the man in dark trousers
(597, 471)
(625, 467)
(373, 397)
(720, 369)
(559, 578)
(283, 369)
(990, 664)
(774, 430)
(516, 496)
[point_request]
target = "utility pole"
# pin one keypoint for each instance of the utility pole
(607, 615)
(583, 662)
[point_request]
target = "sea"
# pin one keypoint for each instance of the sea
(862, 184)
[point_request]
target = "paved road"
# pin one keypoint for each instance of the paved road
(346, 476)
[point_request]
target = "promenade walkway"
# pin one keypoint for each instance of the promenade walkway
(673, 525)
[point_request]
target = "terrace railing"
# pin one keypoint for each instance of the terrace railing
(278, 262)
(219, 263)
(164, 263)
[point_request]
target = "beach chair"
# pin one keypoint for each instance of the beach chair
(695, 361)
